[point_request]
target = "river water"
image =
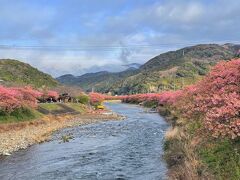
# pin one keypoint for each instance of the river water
(128, 149)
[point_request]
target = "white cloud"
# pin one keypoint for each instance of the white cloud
(111, 36)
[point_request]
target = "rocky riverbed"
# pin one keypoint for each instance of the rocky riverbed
(129, 149)
(21, 135)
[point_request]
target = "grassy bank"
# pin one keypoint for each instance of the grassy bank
(19, 115)
(50, 106)
(81, 108)
(192, 153)
(30, 114)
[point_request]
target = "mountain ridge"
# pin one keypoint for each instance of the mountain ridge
(165, 71)
(14, 72)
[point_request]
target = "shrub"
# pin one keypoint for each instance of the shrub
(48, 94)
(83, 99)
(216, 100)
(52, 94)
(96, 98)
(8, 99)
(28, 96)
(15, 98)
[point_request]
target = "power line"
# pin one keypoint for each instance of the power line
(98, 47)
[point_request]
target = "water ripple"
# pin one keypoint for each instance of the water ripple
(129, 149)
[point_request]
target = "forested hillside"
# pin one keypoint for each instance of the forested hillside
(13, 72)
(168, 71)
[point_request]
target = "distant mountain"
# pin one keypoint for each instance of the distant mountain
(13, 72)
(133, 65)
(170, 70)
(99, 80)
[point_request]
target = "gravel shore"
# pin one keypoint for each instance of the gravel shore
(21, 135)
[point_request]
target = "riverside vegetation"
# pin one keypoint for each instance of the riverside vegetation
(204, 141)
(23, 124)
(20, 103)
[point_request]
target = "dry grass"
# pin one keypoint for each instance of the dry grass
(172, 133)
(181, 156)
(175, 133)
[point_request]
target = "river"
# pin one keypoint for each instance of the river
(127, 149)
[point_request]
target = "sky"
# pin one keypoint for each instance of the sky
(79, 36)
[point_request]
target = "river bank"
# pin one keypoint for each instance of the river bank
(128, 149)
(192, 153)
(18, 136)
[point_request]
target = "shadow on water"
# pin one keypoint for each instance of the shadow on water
(128, 149)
